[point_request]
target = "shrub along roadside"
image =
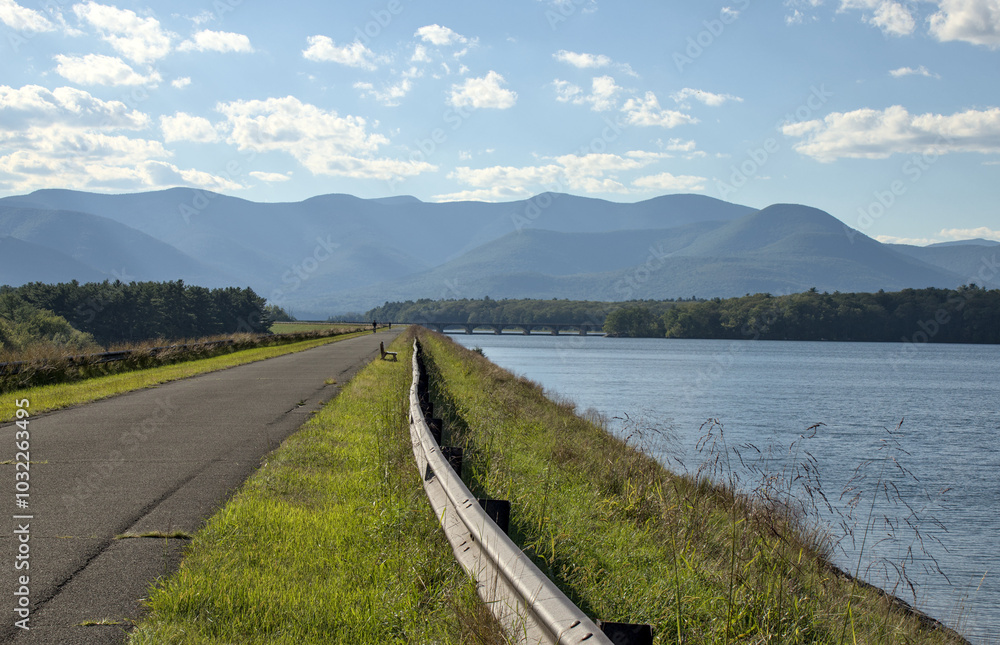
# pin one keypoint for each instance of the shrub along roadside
(53, 397)
(629, 541)
(49, 364)
(331, 541)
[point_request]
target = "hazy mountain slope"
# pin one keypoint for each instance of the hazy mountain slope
(106, 246)
(22, 262)
(335, 253)
(780, 249)
(975, 261)
(540, 251)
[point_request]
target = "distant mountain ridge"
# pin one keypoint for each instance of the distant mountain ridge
(337, 253)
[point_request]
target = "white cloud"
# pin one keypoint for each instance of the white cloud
(323, 49)
(583, 61)
(420, 55)
(217, 41)
(568, 92)
(877, 134)
(603, 94)
(971, 21)
(23, 19)
(647, 112)
(390, 95)
(440, 36)
(185, 127)
(971, 233)
(182, 82)
(585, 173)
(668, 181)
(708, 98)
(913, 241)
(485, 92)
(492, 194)
(33, 105)
(322, 141)
(270, 177)
(142, 40)
(909, 71)
(66, 137)
(96, 69)
(890, 16)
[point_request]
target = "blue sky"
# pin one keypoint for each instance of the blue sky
(884, 113)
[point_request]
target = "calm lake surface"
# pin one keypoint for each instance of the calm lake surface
(769, 393)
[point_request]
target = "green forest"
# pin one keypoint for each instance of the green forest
(969, 314)
(104, 313)
(488, 310)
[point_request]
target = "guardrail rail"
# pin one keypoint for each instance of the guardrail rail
(525, 601)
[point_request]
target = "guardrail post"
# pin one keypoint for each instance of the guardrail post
(436, 426)
(498, 510)
(454, 456)
(627, 633)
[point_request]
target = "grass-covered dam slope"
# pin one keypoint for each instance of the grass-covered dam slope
(629, 541)
(333, 539)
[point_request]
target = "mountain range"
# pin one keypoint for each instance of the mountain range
(338, 253)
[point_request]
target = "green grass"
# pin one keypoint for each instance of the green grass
(53, 397)
(295, 327)
(629, 541)
(331, 541)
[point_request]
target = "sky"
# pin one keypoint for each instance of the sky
(884, 113)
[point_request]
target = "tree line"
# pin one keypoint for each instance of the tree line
(969, 314)
(487, 310)
(117, 312)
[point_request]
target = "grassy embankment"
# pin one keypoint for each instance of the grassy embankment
(629, 541)
(60, 395)
(297, 326)
(331, 541)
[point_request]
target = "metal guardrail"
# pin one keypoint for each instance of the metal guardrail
(529, 605)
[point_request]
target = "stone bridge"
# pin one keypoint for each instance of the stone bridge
(555, 329)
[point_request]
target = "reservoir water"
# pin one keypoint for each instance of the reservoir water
(933, 410)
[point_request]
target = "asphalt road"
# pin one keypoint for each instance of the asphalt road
(159, 460)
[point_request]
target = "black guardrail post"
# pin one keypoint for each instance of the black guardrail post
(454, 455)
(627, 633)
(498, 510)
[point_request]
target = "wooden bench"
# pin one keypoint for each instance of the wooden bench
(381, 349)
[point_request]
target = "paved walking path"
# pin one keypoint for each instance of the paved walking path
(159, 460)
